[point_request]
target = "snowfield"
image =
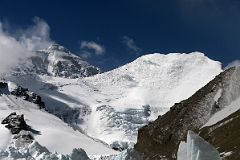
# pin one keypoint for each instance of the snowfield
(225, 112)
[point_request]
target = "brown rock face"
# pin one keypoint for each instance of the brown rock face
(225, 136)
(160, 139)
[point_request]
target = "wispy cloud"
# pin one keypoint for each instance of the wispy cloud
(130, 44)
(233, 63)
(37, 36)
(88, 46)
(16, 47)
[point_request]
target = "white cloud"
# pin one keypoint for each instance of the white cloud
(36, 36)
(233, 63)
(11, 51)
(16, 48)
(130, 44)
(91, 45)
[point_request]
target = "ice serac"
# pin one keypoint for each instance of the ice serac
(199, 149)
(182, 151)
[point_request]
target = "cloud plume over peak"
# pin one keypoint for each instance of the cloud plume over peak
(15, 48)
(37, 36)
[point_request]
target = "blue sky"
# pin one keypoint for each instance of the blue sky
(111, 33)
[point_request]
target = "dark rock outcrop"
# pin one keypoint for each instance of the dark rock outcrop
(3, 84)
(119, 145)
(224, 136)
(15, 123)
(28, 96)
(3, 88)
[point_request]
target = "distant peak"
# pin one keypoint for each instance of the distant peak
(58, 47)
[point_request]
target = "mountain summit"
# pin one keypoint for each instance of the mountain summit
(58, 61)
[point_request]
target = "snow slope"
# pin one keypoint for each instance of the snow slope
(115, 104)
(153, 79)
(225, 112)
(5, 137)
(53, 132)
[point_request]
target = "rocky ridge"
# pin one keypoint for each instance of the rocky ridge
(160, 139)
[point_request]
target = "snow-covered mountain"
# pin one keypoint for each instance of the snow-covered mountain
(69, 104)
(112, 106)
(213, 112)
(129, 97)
(57, 61)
